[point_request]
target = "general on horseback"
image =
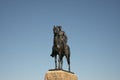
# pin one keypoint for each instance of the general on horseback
(60, 47)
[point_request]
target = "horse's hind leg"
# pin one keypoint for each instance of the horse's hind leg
(67, 54)
(68, 61)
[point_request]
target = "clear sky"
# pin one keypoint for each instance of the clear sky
(26, 38)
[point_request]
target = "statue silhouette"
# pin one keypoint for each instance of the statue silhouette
(60, 47)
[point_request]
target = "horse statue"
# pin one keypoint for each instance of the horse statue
(60, 47)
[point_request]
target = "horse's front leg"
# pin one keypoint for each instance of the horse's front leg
(55, 62)
(61, 63)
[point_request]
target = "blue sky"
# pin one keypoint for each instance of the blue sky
(92, 27)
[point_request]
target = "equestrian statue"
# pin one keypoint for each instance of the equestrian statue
(60, 47)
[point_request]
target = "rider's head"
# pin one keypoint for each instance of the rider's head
(60, 28)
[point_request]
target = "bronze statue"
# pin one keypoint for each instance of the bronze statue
(60, 47)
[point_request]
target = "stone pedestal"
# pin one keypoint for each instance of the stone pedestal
(60, 75)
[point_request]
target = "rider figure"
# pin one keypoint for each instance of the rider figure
(59, 37)
(62, 36)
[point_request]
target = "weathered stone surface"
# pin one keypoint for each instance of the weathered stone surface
(60, 75)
